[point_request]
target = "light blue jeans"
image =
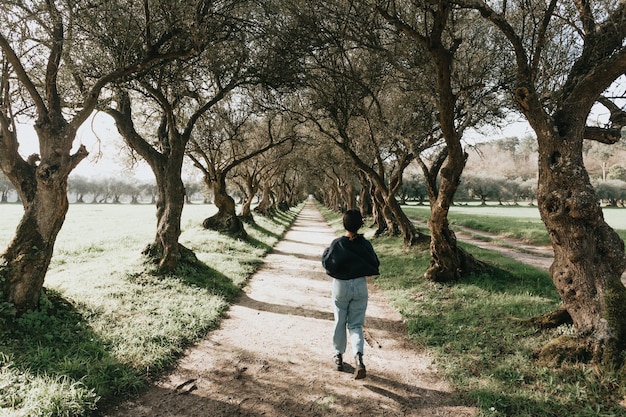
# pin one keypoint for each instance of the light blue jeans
(349, 305)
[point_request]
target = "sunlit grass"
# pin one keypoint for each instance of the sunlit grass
(108, 323)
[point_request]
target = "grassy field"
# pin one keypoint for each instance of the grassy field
(476, 331)
(614, 216)
(108, 324)
(520, 222)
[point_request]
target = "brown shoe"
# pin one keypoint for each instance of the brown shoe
(359, 372)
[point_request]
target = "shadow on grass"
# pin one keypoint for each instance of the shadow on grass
(261, 229)
(56, 345)
(199, 274)
(284, 217)
(532, 282)
(279, 217)
(260, 244)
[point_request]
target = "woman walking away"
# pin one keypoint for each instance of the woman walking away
(350, 259)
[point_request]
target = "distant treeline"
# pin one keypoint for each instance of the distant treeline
(111, 190)
(505, 171)
(484, 188)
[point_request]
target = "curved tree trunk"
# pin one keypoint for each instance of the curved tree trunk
(167, 169)
(265, 206)
(26, 259)
(246, 210)
(448, 261)
(249, 190)
(169, 208)
(409, 233)
(226, 219)
(365, 196)
(346, 188)
(589, 256)
(383, 218)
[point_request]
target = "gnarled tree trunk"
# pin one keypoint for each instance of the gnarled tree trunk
(448, 261)
(409, 233)
(265, 206)
(166, 250)
(26, 259)
(249, 189)
(226, 219)
(365, 196)
(43, 191)
(589, 256)
(167, 169)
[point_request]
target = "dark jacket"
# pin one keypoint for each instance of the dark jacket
(348, 259)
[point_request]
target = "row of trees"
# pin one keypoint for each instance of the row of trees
(114, 190)
(178, 78)
(498, 171)
(328, 98)
(395, 82)
(505, 191)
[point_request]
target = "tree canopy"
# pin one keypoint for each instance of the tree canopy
(336, 99)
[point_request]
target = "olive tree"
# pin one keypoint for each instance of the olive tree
(228, 137)
(233, 44)
(461, 67)
(52, 75)
(564, 56)
(351, 98)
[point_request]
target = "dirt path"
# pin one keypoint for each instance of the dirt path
(272, 355)
(537, 256)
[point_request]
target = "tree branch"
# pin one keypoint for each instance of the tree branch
(22, 76)
(54, 61)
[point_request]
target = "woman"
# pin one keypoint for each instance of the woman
(350, 259)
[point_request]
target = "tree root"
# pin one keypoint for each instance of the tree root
(226, 223)
(550, 320)
(467, 265)
(154, 252)
(268, 211)
(566, 349)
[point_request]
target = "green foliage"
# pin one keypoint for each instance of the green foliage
(107, 323)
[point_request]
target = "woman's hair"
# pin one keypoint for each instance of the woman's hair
(352, 220)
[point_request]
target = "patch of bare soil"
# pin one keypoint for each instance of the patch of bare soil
(272, 355)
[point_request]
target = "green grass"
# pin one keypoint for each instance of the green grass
(475, 330)
(515, 222)
(108, 324)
